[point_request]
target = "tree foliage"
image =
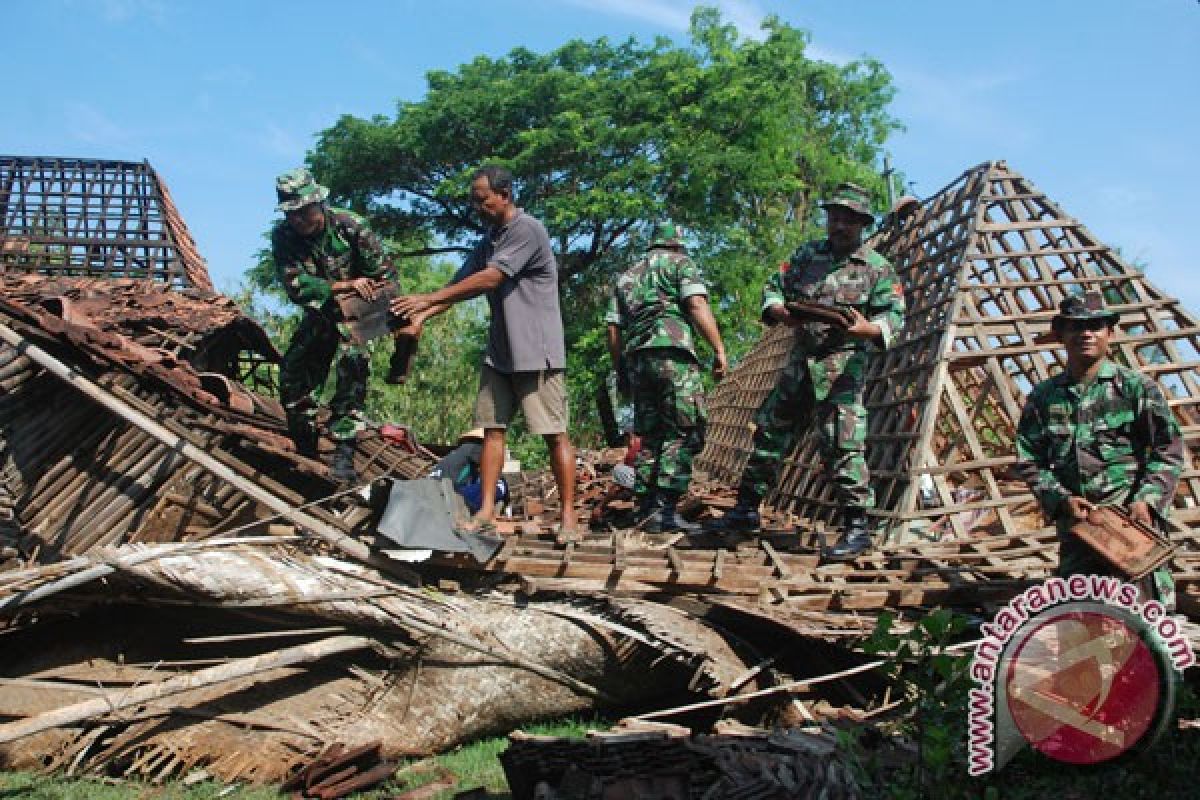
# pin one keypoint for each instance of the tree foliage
(734, 138)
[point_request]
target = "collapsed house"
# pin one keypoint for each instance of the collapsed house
(181, 590)
(985, 263)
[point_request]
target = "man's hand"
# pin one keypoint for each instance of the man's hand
(1079, 508)
(365, 287)
(719, 366)
(413, 327)
(411, 305)
(1139, 511)
(861, 327)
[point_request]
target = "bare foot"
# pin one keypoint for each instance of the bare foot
(478, 524)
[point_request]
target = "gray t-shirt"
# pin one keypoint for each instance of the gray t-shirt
(526, 332)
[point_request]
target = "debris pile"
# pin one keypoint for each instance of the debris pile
(339, 771)
(669, 763)
(183, 593)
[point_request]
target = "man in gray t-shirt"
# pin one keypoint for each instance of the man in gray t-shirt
(526, 359)
(526, 333)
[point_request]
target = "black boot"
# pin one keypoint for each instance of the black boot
(664, 516)
(856, 537)
(645, 504)
(303, 435)
(742, 517)
(342, 468)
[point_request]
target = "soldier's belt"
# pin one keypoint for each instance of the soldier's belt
(819, 312)
(1130, 547)
(368, 320)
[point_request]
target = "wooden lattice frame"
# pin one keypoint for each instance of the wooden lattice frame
(87, 217)
(985, 263)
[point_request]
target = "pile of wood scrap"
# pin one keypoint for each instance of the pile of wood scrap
(657, 762)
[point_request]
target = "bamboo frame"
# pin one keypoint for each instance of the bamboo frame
(77, 217)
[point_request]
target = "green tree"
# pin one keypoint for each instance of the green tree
(734, 138)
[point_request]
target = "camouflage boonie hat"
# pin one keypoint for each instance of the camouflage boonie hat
(853, 197)
(1082, 307)
(667, 234)
(297, 188)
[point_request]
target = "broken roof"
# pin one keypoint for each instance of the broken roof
(83, 216)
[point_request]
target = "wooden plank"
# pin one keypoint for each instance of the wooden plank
(781, 569)
(677, 566)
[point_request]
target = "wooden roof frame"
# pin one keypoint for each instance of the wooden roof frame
(985, 263)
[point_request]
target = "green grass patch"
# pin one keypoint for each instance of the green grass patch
(27, 786)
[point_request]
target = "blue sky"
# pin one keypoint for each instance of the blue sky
(1096, 101)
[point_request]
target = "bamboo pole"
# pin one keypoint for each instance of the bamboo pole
(97, 571)
(117, 700)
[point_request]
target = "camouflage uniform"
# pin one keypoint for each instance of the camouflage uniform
(345, 249)
(660, 361)
(823, 381)
(1113, 441)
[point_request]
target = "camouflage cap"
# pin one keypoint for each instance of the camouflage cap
(297, 188)
(1082, 307)
(853, 197)
(667, 234)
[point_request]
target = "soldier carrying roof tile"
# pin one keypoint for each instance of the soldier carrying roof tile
(822, 384)
(1098, 434)
(321, 251)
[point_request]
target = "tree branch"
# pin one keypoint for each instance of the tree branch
(431, 251)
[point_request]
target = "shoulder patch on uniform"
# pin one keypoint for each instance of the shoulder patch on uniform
(897, 289)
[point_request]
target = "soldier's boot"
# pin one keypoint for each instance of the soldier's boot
(303, 435)
(664, 516)
(742, 517)
(645, 504)
(342, 468)
(855, 539)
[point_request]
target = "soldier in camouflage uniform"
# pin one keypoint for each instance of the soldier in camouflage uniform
(654, 306)
(1098, 434)
(823, 381)
(320, 251)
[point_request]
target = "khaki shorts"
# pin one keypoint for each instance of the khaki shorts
(542, 397)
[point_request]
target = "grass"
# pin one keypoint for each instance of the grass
(474, 765)
(1165, 773)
